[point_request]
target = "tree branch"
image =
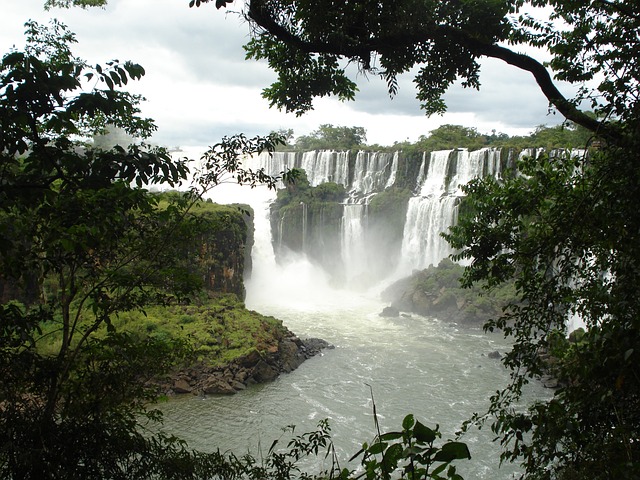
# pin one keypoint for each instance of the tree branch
(262, 17)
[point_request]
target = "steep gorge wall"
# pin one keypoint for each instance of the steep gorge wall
(221, 253)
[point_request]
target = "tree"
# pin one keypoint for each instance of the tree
(82, 241)
(286, 135)
(48, 4)
(451, 136)
(328, 137)
(566, 229)
(304, 44)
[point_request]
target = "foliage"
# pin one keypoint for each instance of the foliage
(74, 3)
(412, 452)
(392, 202)
(451, 136)
(83, 242)
(566, 229)
(217, 330)
(287, 136)
(386, 216)
(328, 137)
(437, 288)
(301, 191)
(583, 40)
(307, 45)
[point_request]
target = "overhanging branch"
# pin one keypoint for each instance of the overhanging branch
(263, 18)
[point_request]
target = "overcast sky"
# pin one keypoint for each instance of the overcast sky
(199, 88)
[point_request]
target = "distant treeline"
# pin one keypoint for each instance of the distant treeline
(329, 137)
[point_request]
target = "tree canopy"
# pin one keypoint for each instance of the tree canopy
(309, 44)
(329, 137)
(82, 242)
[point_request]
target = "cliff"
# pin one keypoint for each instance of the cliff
(436, 292)
(222, 249)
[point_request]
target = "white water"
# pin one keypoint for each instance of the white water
(436, 370)
(373, 172)
(354, 252)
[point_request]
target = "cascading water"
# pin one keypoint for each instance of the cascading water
(435, 209)
(436, 370)
(432, 210)
(325, 166)
(373, 172)
(353, 243)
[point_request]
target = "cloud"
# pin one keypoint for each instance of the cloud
(200, 88)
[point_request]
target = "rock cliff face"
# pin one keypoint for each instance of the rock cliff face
(436, 292)
(222, 250)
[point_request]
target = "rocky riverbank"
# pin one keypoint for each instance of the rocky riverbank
(250, 369)
(436, 292)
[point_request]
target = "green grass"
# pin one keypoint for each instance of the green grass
(219, 330)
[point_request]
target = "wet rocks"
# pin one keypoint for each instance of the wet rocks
(256, 367)
(390, 311)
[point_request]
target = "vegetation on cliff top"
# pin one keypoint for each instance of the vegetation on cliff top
(215, 329)
(436, 291)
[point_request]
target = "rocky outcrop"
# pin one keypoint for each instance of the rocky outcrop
(436, 292)
(390, 311)
(223, 251)
(256, 367)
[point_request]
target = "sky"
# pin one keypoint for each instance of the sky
(199, 87)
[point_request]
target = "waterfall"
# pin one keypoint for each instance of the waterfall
(352, 250)
(372, 172)
(305, 216)
(422, 244)
(435, 209)
(435, 177)
(272, 164)
(394, 170)
(325, 166)
(421, 171)
(429, 214)
(320, 165)
(352, 240)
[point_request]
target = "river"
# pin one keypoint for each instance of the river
(437, 370)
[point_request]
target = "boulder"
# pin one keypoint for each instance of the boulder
(390, 311)
(313, 346)
(181, 385)
(255, 367)
(263, 372)
(216, 385)
(291, 356)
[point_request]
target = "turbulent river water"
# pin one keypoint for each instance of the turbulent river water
(439, 371)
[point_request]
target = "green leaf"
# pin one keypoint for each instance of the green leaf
(408, 422)
(452, 451)
(439, 469)
(422, 433)
(377, 448)
(389, 436)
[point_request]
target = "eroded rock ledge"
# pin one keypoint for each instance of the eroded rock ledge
(256, 367)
